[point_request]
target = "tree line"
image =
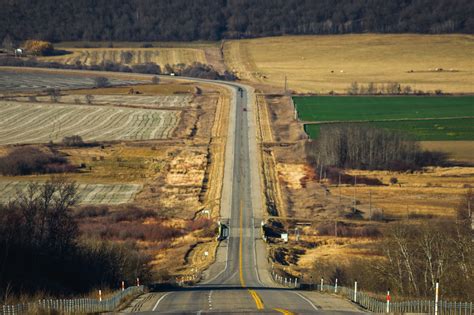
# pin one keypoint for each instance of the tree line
(196, 69)
(183, 20)
(361, 146)
(44, 251)
(412, 257)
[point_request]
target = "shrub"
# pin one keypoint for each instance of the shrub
(91, 211)
(148, 68)
(132, 213)
(73, 141)
(39, 47)
(155, 80)
(101, 82)
(31, 160)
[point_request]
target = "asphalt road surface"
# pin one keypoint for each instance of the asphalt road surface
(240, 282)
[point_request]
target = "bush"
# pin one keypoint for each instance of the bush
(132, 213)
(31, 160)
(148, 68)
(73, 141)
(347, 230)
(39, 47)
(155, 80)
(101, 82)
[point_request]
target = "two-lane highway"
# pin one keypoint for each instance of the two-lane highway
(242, 284)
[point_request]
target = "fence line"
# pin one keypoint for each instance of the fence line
(417, 306)
(72, 306)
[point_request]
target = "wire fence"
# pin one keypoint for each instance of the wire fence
(418, 306)
(72, 306)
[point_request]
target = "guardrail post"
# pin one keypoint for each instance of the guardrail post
(355, 291)
(388, 301)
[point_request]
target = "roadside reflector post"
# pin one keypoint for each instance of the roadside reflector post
(355, 291)
(436, 297)
(100, 295)
(322, 283)
(138, 282)
(335, 287)
(388, 301)
(296, 282)
(123, 285)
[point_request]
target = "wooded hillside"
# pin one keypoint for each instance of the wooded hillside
(184, 20)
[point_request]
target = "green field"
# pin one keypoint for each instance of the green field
(421, 130)
(410, 114)
(373, 108)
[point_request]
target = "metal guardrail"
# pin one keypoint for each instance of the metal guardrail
(418, 306)
(72, 306)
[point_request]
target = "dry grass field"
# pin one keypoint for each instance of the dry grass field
(173, 177)
(300, 198)
(330, 63)
(130, 56)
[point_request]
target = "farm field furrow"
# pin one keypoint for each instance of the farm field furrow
(88, 193)
(41, 123)
(158, 101)
(421, 130)
(21, 81)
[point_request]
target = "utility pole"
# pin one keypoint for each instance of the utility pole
(370, 204)
(355, 185)
(339, 185)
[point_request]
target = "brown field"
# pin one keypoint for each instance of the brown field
(292, 187)
(433, 192)
(160, 56)
(162, 53)
(180, 176)
(458, 150)
(166, 88)
(308, 61)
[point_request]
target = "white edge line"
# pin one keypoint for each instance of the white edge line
(232, 88)
(160, 299)
(306, 299)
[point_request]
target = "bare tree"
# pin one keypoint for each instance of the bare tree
(89, 98)
(353, 88)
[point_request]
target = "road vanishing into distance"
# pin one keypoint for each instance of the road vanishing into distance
(239, 281)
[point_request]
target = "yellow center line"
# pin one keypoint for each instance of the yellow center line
(258, 300)
(283, 311)
(241, 273)
(253, 294)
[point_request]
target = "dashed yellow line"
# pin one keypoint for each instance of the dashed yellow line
(241, 273)
(253, 294)
(258, 300)
(283, 311)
